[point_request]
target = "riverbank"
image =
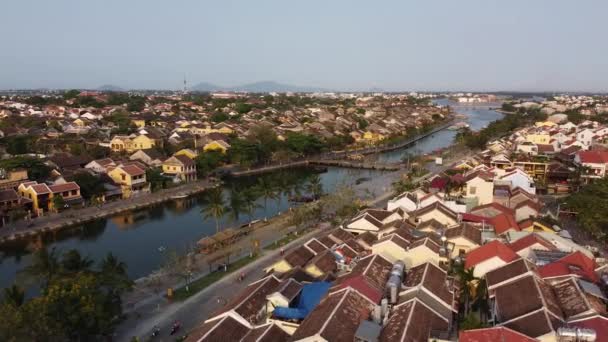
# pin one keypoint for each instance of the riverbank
(152, 308)
(332, 158)
(25, 229)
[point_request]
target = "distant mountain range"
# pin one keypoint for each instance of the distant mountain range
(258, 87)
(110, 87)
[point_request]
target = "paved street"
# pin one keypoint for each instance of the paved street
(196, 308)
(153, 310)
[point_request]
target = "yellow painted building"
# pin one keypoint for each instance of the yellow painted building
(373, 137)
(535, 227)
(41, 195)
(127, 144)
(216, 145)
(131, 179)
(186, 152)
(180, 167)
(207, 130)
(545, 124)
(540, 138)
(139, 123)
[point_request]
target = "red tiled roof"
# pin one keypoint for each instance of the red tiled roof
(530, 240)
(503, 223)
(438, 183)
(594, 157)
(133, 170)
(467, 217)
(361, 284)
(487, 251)
(575, 264)
(496, 206)
(502, 334)
(69, 186)
(41, 189)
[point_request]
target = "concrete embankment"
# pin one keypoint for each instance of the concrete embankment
(70, 218)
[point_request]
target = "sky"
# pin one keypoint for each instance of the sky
(476, 45)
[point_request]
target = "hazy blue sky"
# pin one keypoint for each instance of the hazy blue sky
(349, 44)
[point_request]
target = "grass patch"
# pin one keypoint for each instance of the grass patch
(203, 282)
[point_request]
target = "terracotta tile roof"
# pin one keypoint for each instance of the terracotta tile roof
(69, 186)
(593, 157)
(185, 160)
(570, 298)
(514, 269)
(316, 246)
(266, 333)
(252, 299)
(532, 204)
(289, 288)
(535, 325)
(336, 318)
(369, 277)
(492, 249)
(41, 189)
(503, 223)
(575, 264)
(432, 278)
(503, 334)
(367, 238)
(436, 206)
(222, 329)
(530, 240)
(299, 256)
(8, 195)
(492, 209)
(412, 321)
(512, 302)
(468, 217)
(133, 170)
(325, 261)
(340, 235)
(465, 230)
(428, 243)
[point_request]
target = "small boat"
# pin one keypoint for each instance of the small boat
(361, 180)
(161, 249)
(301, 199)
(179, 196)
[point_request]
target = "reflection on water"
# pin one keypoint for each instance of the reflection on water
(135, 237)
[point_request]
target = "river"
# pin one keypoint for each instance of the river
(136, 237)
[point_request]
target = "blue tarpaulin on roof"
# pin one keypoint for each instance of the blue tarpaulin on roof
(310, 296)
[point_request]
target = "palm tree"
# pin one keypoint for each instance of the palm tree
(250, 197)
(214, 206)
(481, 299)
(315, 187)
(44, 266)
(468, 283)
(73, 262)
(266, 190)
(236, 204)
(14, 296)
(114, 273)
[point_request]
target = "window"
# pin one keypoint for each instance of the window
(473, 190)
(122, 175)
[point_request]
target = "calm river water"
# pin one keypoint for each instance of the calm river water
(135, 237)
